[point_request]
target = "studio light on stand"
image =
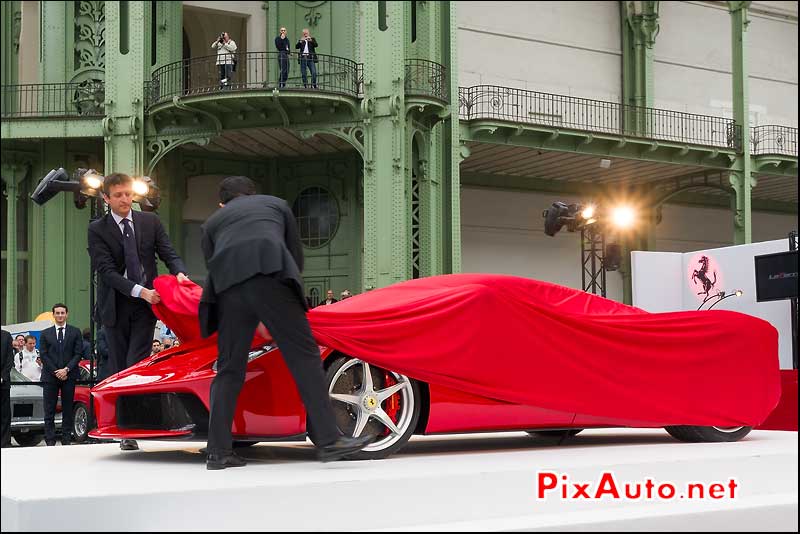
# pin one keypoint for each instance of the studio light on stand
(594, 223)
(146, 193)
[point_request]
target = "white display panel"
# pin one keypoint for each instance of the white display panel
(663, 281)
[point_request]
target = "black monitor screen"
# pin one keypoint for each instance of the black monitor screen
(776, 276)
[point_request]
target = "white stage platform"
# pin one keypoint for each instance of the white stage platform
(471, 482)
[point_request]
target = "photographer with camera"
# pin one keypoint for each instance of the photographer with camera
(226, 61)
(307, 57)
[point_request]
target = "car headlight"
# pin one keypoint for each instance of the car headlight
(253, 354)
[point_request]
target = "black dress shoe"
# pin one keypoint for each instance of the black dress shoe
(221, 461)
(51, 443)
(342, 448)
(128, 445)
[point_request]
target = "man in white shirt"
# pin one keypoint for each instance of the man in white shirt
(28, 362)
(225, 47)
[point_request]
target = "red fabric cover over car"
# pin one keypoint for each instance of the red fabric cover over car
(536, 343)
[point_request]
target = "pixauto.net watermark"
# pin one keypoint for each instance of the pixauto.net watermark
(558, 485)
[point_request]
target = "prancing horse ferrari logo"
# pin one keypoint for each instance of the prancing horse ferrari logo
(371, 403)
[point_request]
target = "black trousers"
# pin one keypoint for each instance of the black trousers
(51, 390)
(272, 302)
(5, 439)
(283, 61)
(131, 339)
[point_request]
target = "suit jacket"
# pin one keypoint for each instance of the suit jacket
(57, 356)
(108, 259)
(312, 49)
(250, 235)
(7, 352)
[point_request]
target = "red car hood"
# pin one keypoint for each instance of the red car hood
(537, 343)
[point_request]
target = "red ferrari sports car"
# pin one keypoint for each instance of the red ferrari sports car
(465, 353)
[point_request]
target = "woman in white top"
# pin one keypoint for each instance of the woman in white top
(225, 59)
(28, 362)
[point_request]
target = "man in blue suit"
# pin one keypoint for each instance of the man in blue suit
(61, 347)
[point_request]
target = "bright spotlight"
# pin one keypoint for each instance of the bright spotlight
(623, 217)
(93, 181)
(140, 187)
(739, 292)
(588, 212)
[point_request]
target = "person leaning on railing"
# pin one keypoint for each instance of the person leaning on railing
(282, 45)
(226, 61)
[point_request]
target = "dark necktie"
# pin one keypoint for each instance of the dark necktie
(132, 263)
(61, 334)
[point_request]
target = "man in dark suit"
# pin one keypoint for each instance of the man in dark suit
(61, 348)
(254, 258)
(7, 352)
(123, 245)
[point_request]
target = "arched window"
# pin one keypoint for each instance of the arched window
(317, 216)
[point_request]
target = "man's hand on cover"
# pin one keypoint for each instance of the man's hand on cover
(151, 296)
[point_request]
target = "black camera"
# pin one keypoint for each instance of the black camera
(221, 37)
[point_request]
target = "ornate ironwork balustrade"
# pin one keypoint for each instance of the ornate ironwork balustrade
(771, 139)
(426, 78)
(53, 100)
(522, 106)
(254, 71)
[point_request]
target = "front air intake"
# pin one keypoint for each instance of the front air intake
(162, 411)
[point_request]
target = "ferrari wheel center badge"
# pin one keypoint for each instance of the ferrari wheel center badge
(370, 402)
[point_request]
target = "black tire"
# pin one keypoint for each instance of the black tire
(81, 422)
(28, 439)
(553, 434)
(344, 415)
(707, 434)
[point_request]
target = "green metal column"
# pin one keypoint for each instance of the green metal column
(639, 27)
(169, 32)
(386, 189)
(54, 24)
(127, 66)
(14, 172)
(741, 178)
(9, 48)
(454, 151)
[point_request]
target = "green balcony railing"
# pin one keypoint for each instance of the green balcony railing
(520, 106)
(426, 78)
(773, 140)
(53, 100)
(254, 71)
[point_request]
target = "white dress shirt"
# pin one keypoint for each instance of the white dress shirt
(25, 363)
(137, 289)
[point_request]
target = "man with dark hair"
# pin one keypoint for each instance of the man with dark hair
(87, 344)
(254, 258)
(7, 360)
(61, 348)
(123, 245)
(282, 46)
(18, 344)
